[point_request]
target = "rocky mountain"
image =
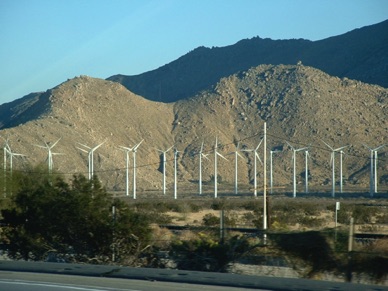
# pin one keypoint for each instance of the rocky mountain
(301, 105)
(361, 54)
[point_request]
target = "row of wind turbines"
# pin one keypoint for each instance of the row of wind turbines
(8, 154)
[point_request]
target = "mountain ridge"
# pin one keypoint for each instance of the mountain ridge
(360, 54)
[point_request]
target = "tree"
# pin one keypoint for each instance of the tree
(75, 221)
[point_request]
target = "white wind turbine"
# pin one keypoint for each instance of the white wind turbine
(175, 173)
(341, 175)
(133, 150)
(50, 154)
(216, 155)
(271, 170)
(333, 151)
(236, 156)
(306, 173)
(201, 155)
(164, 167)
(373, 169)
(8, 151)
(294, 150)
(90, 151)
(5, 152)
(256, 157)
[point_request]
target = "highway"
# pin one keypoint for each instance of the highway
(20, 281)
(43, 276)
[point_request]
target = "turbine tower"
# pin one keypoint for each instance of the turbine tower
(333, 151)
(5, 152)
(216, 155)
(236, 156)
(306, 173)
(133, 150)
(50, 154)
(373, 169)
(256, 157)
(164, 167)
(271, 169)
(175, 173)
(8, 151)
(90, 151)
(201, 155)
(294, 151)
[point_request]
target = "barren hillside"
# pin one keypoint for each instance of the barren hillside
(300, 104)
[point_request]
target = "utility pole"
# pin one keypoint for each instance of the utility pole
(265, 221)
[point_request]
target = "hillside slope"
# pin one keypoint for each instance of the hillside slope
(300, 104)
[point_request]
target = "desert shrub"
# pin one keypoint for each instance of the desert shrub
(376, 266)
(309, 221)
(364, 214)
(382, 218)
(219, 204)
(205, 253)
(312, 248)
(345, 213)
(210, 220)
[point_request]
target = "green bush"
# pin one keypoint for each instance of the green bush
(210, 220)
(76, 221)
(207, 254)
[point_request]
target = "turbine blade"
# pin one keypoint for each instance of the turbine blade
(81, 149)
(221, 156)
(327, 145)
(55, 143)
(259, 144)
(376, 149)
(290, 145)
(84, 145)
(258, 157)
(136, 146)
(337, 149)
(240, 155)
(97, 146)
(205, 156)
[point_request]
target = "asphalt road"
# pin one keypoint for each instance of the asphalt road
(20, 281)
(59, 276)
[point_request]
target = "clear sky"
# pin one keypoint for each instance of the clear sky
(45, 42)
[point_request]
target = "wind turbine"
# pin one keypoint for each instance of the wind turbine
(373, 169)
(201, 155)
(376, 156)
(164, 167)
(306, 172)
(133, 150)
(90, 151)
(50, 154)
(5, 152)
(271, 171)
(256, 157)
(175, 172)
(236, 155)
(294, 150)
(341, 175)
(333, 151)
(216, 155)
(8, 151)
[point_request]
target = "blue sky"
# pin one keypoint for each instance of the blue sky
(45, 42)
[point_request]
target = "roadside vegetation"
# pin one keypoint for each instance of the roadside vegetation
(76, 220)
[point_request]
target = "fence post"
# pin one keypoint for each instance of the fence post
(350, 250)
(222, 226)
